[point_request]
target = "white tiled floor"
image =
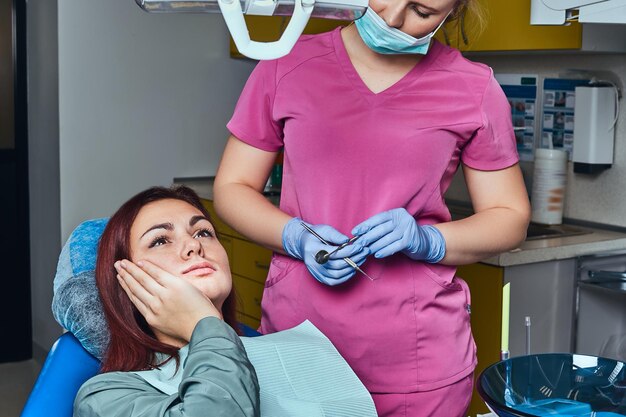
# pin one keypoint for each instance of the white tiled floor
(16, 381)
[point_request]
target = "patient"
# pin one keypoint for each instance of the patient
(165, 285)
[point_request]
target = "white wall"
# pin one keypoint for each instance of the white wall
(143, 98)
(128, 100)
(599, 198)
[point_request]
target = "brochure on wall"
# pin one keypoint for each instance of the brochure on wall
(521, 90)
(557, 130)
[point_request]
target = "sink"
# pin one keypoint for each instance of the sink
(536, 231)
(542, 231)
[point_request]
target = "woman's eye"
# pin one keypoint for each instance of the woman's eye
(420, 13)
(161, 240)
(205, 233)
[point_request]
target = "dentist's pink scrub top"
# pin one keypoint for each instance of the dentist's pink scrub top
(350, 154)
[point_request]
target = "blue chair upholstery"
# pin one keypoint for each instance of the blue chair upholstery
(248, 331)
(67, 367)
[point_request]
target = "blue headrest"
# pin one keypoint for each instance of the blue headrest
(76, 304)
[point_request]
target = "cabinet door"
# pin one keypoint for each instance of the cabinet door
(249, 294)
(250, 260)
(248, 321)
(449, 34)
(221, 227)
(485, 283)
(227, 243)
(269, 28)
(508, 28)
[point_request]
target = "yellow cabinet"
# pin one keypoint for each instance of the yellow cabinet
(250, 260)
(227, 242)
(252, 322)
(485, 283)
(249, 264)
(249, 295)
(508, 28)
(269, 28)
(220, 226)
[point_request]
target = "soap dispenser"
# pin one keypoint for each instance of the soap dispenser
(595, 117)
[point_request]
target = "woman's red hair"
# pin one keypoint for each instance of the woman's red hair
(132, 345)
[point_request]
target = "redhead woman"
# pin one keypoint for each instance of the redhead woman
(374, 119)
(166, 289)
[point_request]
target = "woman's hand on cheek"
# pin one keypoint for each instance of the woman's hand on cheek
(169, 304)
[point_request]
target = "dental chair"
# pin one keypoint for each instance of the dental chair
(66, 368)
(73, 358)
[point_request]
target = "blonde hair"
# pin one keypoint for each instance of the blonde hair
(471, 18)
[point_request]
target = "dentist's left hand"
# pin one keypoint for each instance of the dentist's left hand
(397, 231)
(168, 303)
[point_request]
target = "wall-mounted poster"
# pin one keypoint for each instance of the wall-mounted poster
(559, 100)
(521, 91)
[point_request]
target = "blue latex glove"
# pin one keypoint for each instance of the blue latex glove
(397, 231)
(301, 244)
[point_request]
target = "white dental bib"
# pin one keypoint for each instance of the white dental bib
(295, 369)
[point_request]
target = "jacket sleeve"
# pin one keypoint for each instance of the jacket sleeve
(218, 380)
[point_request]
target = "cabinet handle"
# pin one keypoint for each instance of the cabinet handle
(611, 280)
(607, 275)
(260, 265)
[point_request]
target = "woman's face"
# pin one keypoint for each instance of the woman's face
(414, 17)
(176, 237)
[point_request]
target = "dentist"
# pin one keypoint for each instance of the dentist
(374, 119)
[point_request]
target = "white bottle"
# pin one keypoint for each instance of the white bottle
(548, 191)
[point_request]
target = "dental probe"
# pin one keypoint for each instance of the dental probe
(322, 256)
(348, 260)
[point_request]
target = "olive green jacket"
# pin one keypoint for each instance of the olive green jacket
(217, 380)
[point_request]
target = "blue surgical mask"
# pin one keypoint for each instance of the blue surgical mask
(384, 39)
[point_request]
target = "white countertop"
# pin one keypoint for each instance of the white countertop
(541, 250)
(532, 251)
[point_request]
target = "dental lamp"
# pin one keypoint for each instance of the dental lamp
(233, 11)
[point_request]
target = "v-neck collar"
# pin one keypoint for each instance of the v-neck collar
(358, 83)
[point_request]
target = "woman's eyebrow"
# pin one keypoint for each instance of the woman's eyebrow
(166, 226)
(430, 9)
(196, 219)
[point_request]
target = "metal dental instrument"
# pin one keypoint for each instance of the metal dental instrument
(527, 324)
(348, 260)
(322, 256)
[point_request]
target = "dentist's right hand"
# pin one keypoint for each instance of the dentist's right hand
(300, 244)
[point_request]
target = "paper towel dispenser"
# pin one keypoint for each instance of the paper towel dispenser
(558, 12)
(595, 117)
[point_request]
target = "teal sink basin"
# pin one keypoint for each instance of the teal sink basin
(541, 231)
